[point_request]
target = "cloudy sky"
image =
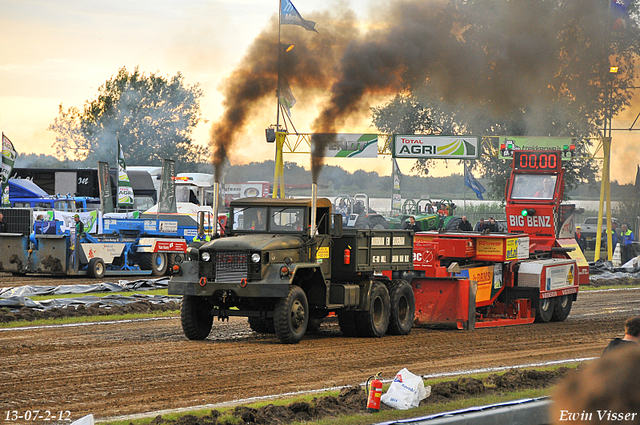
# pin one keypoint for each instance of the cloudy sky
(60, 52)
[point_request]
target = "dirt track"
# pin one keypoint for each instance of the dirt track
(125, 368)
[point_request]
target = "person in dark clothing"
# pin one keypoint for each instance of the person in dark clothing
(79, 225)
(464, 225)
(3, 224)
(493, 226)
(412, 225)
(581, 239)
(631, 336)
(481, 225)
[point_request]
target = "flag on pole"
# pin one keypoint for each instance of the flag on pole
(472, 183)
(6, 167)
(167, 202)
(289, 15)
(286, 98)
(637, 185)
(396, 194)
(125, 191)
(104, 186)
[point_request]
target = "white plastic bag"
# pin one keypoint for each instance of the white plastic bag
(406, 391)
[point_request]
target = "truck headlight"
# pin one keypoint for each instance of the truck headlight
(255, 257)
(206, 256)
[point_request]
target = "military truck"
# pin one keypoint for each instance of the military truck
(287, 263)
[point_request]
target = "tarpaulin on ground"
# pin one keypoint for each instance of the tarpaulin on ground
(17, 302)
(601, 270)
(121, 286)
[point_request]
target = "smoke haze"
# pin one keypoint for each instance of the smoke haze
(425, 47)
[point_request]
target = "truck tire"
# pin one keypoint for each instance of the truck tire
(375, 321)
(196, 317)
(261, 326)
(403, 307)
(562, 308)
(347, 322)
(291, 316)
(96, 268)
(545, 310)
(156, 262)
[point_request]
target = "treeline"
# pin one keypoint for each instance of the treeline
(336, 180)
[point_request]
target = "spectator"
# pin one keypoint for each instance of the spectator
(411, 224)
(481, 225)
(79, 225)
(3, 224)
(493, 226)
(202, 237)
(631, 336)
(342, 208)
(581, 239)
(626, 238)
(464, 225)
(595, 393)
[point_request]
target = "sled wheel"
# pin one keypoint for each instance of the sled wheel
(196, 317)
(261, 326)
(96, 268)
(562, 308)
(347, 322)
(545, 310)
(291, 316)
(156, 262)
(403, 307)
(374, 323)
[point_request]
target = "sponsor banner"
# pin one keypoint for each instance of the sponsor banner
(530, 221)
(560, 276)
(104, 186)
(170, 246)
(106, 251)
(512, 143)
(89, 219)
(445, 147)
(168, 226)
(490, 249)
(351, 145)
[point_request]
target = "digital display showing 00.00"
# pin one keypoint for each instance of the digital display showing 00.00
(537, 161)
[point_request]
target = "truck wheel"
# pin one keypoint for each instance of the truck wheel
(347, 322)
(261, 326)
(291, 316)
(403, 307)
(196, 317)
(374, 323)
(96, 268)
(156, 262)
(545, 310)
(562, 308)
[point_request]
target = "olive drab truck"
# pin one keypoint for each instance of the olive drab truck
(285, 264)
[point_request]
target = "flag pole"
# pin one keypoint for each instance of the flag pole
(279, 67)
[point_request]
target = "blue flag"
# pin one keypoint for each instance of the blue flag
(289, 15)
(472, 183)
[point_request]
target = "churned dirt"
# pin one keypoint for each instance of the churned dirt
(131, 367)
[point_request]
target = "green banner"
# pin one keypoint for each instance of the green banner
(104, 185)
(167, 202)
(566, 145)
(125, 191)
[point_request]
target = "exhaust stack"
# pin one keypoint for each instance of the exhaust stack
(216, 200)
(314, 207)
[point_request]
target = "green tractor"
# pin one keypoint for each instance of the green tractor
(431, 215)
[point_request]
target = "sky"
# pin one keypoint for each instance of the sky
(59, 52)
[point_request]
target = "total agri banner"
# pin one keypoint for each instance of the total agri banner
(433, 147)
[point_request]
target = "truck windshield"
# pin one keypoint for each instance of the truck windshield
(534, 186)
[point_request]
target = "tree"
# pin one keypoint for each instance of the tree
(153, 117)
(502, 74)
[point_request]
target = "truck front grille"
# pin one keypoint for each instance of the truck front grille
(231, 265)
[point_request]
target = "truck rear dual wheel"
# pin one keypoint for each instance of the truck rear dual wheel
(375, 321)
(403, 307)
(291, 316)
(196, 317)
